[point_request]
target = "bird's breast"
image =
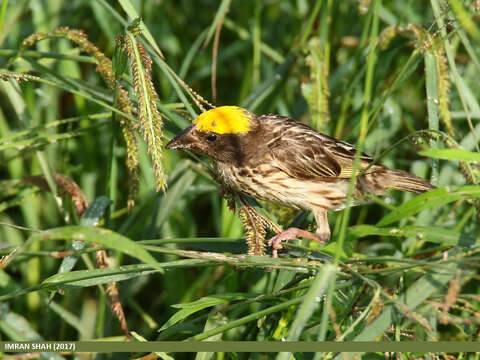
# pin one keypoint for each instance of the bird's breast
(266, 182)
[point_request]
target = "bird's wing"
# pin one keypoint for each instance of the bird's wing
(304, 153)
(344, 154)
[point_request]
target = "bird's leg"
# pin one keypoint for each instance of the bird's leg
(290, 234)
(323, 228)
(322, 235)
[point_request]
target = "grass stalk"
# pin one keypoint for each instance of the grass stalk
(371, 60)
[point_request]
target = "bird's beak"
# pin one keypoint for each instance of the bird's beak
(185, 140)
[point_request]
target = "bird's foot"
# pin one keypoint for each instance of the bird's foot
(294, 233)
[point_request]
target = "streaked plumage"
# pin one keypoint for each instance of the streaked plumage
(278, 159)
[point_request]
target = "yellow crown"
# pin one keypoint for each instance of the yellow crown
(224, 120)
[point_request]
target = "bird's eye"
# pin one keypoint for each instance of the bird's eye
(211, 137)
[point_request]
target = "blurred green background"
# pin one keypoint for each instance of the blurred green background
(393, 68)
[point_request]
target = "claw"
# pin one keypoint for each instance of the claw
(293, 233)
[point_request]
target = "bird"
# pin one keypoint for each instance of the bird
(277, 159)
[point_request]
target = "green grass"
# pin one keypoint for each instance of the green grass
(399, 79)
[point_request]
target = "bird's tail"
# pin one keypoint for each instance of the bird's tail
(401, 180)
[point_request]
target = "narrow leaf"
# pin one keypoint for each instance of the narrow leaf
(430, 199)
(416, 294)
(133, 14)
(311, 302)
(222, 11)
(104, 237)
(90, 218)
(192, 308)
(433, 234)
(452, 154)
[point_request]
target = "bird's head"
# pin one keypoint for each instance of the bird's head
(219, 133)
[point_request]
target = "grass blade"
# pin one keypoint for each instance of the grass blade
(133, 14)
(191, 308)
(433, 198)
(433, 234)
(312, 299)
(452, 154)
(409, 301)
(104, 237)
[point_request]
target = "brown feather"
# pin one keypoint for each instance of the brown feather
(304, 153)
(286, 162)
